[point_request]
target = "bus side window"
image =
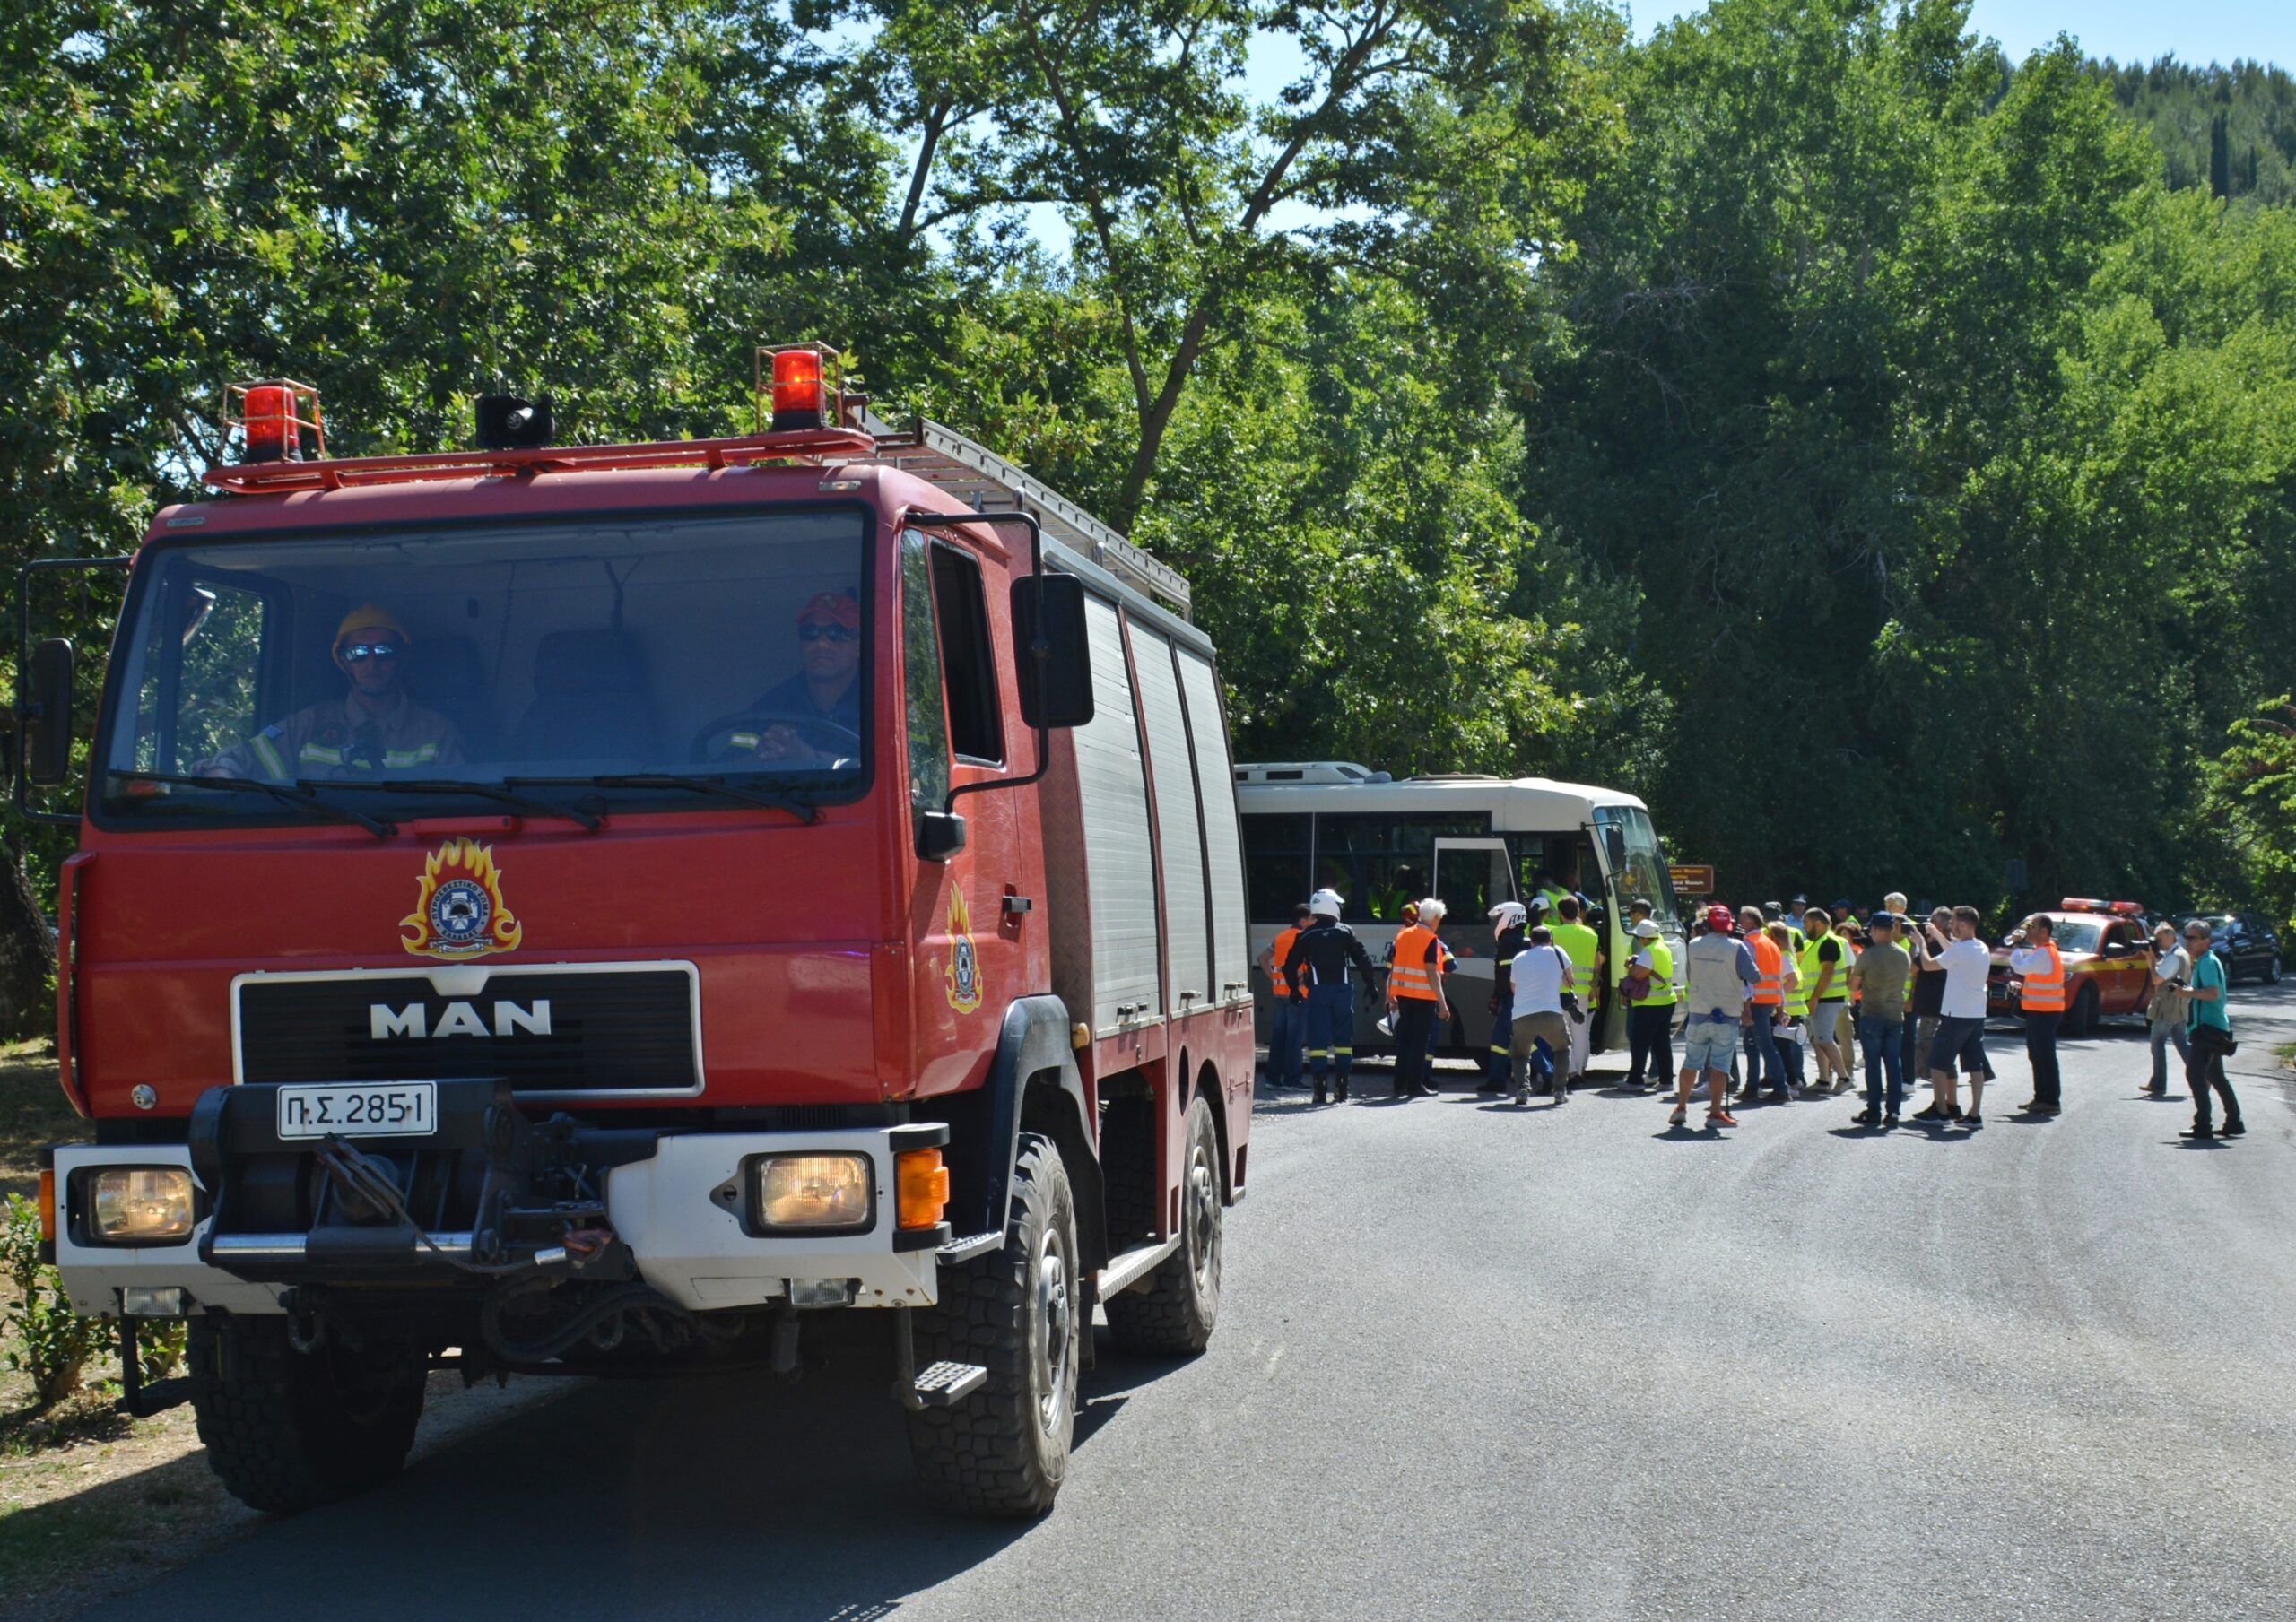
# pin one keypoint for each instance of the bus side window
(1275, 865)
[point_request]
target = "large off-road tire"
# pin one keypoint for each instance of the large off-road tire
(2082, 1021)
(1173, 1313)
(1019, 1312)
(287, 1430)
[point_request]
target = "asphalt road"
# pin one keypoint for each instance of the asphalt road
(1478, 1362)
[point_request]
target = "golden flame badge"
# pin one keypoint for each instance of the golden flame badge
(459, 912)
(963, 972)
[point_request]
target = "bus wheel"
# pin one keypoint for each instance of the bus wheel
(1019, 1313)
(289, 1430)
(1173, 1313)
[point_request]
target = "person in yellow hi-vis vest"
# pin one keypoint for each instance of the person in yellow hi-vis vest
(1649, 989)
(375, 729)
(1584, 948)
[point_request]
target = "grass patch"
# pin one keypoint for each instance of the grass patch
(33, 1114)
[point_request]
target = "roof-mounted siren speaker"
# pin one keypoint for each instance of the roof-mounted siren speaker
(506, 422)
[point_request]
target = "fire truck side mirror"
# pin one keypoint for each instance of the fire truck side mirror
(1050, 647)
(44, 722)
(940, 835)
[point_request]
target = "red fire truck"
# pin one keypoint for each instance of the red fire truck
(568, 908)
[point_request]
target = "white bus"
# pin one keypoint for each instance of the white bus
(1473, 841)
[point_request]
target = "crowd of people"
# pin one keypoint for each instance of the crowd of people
(1780, 1002)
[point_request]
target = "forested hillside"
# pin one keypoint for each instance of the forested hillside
(2231, 129)
(1878, 453)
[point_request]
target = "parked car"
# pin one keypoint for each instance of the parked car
(2245, 941)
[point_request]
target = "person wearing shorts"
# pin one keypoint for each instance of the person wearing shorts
(1966, 963)
(1722, 980)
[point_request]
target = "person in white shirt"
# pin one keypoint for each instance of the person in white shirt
(1965, 962)
(1542, 972)
(2165, 1014)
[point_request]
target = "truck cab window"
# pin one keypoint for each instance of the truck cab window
(968, 656)
(928, 724)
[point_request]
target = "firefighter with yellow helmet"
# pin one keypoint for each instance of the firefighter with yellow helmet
(374, 730)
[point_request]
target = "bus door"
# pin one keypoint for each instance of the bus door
(1472, 876)
(1606, 846)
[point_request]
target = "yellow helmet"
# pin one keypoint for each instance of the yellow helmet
(367, 616)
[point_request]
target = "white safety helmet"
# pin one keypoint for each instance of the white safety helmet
(1326, 904)
(1508, 914)
(1647, 930)
(1431, 911)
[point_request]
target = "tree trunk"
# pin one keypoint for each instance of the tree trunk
(27, 955)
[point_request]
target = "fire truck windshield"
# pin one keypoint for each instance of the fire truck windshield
(564, 658)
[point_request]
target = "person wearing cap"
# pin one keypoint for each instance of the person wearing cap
(1723, 979)
(1881, 975)
(373, 729)
(1319, 972)
(1509, 924)
(1649, 988)
(1541, 992)
(818, 710)
(1285, 1031)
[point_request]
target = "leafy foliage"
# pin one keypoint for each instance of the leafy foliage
(2229, 130)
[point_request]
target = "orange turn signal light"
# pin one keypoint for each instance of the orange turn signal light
(47, 1205)
(923, 1182)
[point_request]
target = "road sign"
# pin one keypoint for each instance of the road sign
(1695, 880)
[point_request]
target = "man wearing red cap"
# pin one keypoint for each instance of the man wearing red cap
(374, 730)
(816, 712)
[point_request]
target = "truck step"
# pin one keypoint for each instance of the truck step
(1125, 1271)
(946, 1384)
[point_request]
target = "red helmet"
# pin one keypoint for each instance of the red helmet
(1719, 917)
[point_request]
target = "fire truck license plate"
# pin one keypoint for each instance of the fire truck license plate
(385, 1109)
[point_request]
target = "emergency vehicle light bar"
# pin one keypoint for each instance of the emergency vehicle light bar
(2081, 903)
(816, 444)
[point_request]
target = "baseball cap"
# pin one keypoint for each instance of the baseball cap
(1718, 916)
(833, 607)
(1647, 930)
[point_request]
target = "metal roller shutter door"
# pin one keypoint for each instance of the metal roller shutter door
(1223, 841)
(1119, 859)
(1180, 836)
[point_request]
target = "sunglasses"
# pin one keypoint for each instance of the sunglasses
(834, 633)
(358, 653)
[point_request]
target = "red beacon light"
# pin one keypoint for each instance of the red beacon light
(270, 420)
(2080, 904)
(807, 386)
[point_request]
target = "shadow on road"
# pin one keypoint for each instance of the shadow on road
(730, 1496)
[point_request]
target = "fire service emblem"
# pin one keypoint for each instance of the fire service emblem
(458, 911)
(963, 974)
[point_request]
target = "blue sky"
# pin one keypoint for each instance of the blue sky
(2195, 30)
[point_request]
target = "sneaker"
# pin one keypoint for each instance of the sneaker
(1523, 1097)
(1953, 1112)
(1936, 1112)
(2234, 1128)
(2198, 1135)
(1972, 1120)
(1868, 1116)
(1720, 1117)
(1681, 1117)
(1889, 1121)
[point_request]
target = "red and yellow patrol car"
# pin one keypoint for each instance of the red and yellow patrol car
(2107, 966)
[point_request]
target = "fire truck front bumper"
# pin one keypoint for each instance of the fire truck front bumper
(712, 1220)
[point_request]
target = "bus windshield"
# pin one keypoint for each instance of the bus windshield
(1644, 872)
(392, 673)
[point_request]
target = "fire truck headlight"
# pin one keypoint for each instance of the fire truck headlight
(812, 1193)
(141, 1205)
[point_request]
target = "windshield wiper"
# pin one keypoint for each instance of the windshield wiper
(591, 822)
(772, 800)
(287, 794)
